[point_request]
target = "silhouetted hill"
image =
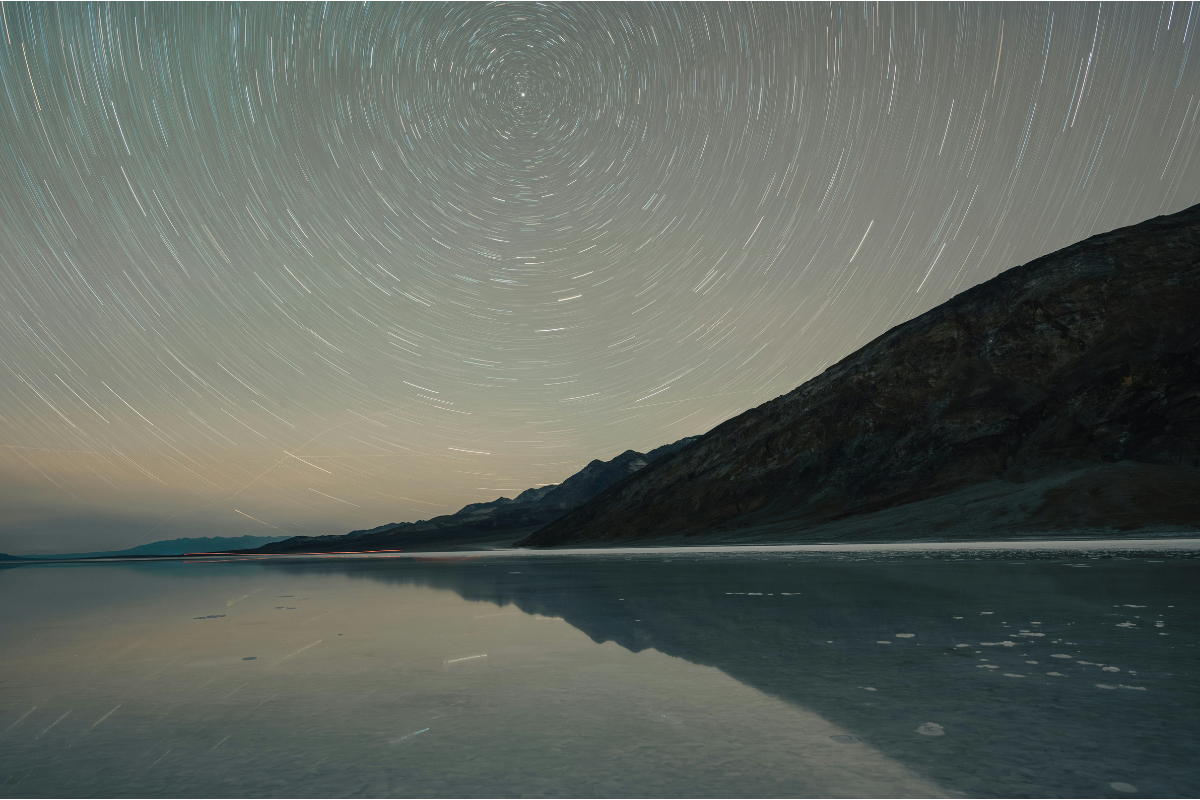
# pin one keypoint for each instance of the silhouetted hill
(484, 524)
(1062, 395)
(177, 547)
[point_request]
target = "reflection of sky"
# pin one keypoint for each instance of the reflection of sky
(307, 269)
(1010, 674)
(976, 646)
(388, 688)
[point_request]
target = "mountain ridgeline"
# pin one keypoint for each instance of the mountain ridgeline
(1061, 397)
(485, 524)
(173, 547)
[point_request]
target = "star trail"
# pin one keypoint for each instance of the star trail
(300, 269)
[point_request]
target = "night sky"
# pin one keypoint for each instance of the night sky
(304, 269)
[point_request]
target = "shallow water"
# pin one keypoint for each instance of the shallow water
(1023, 673)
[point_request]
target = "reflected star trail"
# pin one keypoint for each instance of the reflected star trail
(300, 269)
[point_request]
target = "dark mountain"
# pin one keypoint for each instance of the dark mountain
(484, 524)
(527, 497)
(7, 557)
(599, 475)
(1061, 396)
(176, 547)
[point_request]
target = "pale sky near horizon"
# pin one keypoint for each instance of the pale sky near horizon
(302, 269)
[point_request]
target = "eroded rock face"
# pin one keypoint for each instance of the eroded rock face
(1086, 356)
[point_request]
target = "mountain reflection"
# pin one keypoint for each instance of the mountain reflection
(876, 645)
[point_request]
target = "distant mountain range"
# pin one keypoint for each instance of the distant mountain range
(175, 547)
(1061, 397)
(476, 525)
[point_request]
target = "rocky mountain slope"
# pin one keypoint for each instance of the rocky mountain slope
(478, 524)
(1060, 396)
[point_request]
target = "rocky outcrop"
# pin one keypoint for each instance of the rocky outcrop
(1052, 374)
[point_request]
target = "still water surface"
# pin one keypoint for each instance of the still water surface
(768, 674)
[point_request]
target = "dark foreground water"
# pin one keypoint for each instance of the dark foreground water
(854, 674)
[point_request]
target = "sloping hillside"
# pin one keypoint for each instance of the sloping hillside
(1062, 395)
(492, 523)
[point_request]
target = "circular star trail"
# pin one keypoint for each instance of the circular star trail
(301, 269)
